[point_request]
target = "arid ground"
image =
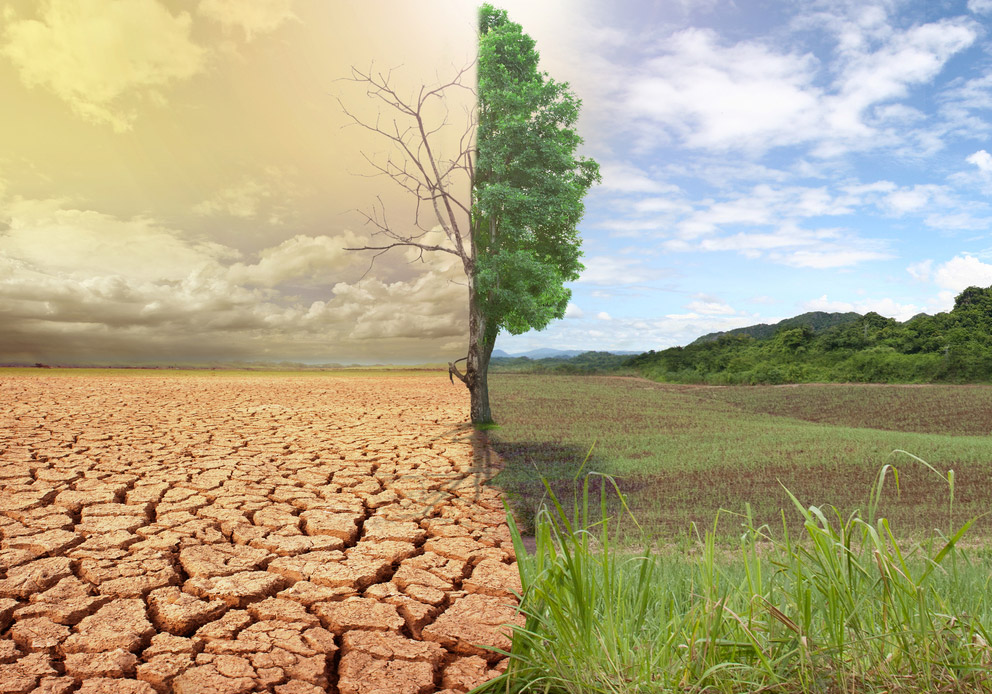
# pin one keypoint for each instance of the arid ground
(219, 533)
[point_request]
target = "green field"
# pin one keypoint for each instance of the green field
(681, 453)
(870, 600)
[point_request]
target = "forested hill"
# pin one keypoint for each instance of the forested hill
(953, 347)
(817, 321)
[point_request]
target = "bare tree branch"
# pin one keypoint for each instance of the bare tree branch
(445, 185)
(437, 180)
(398, 244)
(453, 371)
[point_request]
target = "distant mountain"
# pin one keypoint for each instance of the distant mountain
(948, 347)
(548, 353)
(817, 320)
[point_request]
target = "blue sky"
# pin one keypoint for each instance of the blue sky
(178, 180)
(762, 159)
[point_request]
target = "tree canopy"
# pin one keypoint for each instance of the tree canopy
(528, 182)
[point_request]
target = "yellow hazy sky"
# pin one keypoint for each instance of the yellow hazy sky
(177, 181)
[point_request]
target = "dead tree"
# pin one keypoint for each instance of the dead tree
(441, 184)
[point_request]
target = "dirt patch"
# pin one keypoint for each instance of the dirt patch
(238, 534)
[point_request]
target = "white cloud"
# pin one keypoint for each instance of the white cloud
(660, 204)
(705, 314)
(979, 177)
(429, 307)
(752, 244)
(906, 59)
(91, 243)
(886, 307)
(957, 221)
(102, 57)
(239, 200)
(250, 16)
(640, 333)
(710, 306)
(626, 178)
(981, 158)
(868, 189)
(908, 200)
(632, 228)
(763, 205)
(962, 104)
(752, 97)
(610, 271)
(790, 244)
(80, 285)
(573, 311)
(963, 271)
(269, 194)
(980, 6)
(829, 258)
(921, 271)
(311, 259)
(743, 96)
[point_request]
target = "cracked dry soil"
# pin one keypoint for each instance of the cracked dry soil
(222, 534)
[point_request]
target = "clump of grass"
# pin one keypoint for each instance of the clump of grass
(844, 608)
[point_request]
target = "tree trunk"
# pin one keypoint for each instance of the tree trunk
(480, 348)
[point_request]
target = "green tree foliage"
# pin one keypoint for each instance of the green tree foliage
(529, 183)
(517, 235)
(953, 347)
(527, 190)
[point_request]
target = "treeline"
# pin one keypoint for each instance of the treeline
(953, 347)
(816, 320)
(585, 363)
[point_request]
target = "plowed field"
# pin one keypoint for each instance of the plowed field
(243, 534)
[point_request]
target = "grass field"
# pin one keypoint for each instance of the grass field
(826, 603)
(931, 409)
(840, 607)
(682, 453)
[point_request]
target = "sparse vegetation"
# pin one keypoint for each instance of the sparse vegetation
(681, 453)
(744, 539)
(585, 363)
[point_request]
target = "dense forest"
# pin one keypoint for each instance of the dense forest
(953, 347)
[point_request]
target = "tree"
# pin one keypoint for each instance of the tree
(515, 227)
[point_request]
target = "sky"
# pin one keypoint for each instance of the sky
(179, 179)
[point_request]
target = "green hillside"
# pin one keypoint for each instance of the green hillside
(817, 321)
(953, 347)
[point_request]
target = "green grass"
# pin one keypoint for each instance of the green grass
(680, 454)
(934, 409)
(841, 607)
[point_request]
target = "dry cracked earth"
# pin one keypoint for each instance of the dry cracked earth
(217, 534)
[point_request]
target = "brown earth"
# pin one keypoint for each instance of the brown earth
(242, 534)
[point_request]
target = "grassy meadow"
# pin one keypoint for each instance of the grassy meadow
(682, 453)
(842, 585)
